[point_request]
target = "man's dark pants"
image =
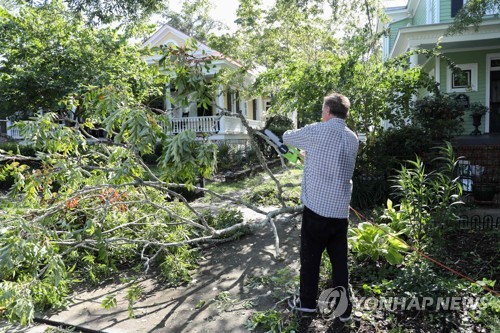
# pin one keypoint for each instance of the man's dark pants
(319, 233)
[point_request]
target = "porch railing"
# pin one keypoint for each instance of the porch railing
(197, 124)
(7, 129)
(211, 125)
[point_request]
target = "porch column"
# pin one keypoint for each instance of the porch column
(219, 100)
(259, 108)
(413, 64)
(168, 105)
(413, 58)
(222, 125)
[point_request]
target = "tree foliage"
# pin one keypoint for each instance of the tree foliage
(84, 208)
(194, 19)
(472, 14)
(288, 30)
(304, 61)
(104, 12)
(51, 59)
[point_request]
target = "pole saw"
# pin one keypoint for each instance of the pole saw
(289, 152)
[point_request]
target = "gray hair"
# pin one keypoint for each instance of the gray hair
(338, 104)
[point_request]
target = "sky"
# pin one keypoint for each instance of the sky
(225, 10)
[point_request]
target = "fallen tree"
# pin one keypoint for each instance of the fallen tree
(91, 206)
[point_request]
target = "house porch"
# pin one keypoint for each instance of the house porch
(216, 127)
(480, 164)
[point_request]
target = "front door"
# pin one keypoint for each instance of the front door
(495, 102)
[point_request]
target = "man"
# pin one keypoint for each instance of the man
(330, 155)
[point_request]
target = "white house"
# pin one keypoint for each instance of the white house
(209, 121)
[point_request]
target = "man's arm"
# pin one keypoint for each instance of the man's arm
(299, 138)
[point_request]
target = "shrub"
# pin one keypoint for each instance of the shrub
(19, 149)
(6, 179)
(230, 157)
(441, 116)
(427, 196)
(380, 157)
(385, 151)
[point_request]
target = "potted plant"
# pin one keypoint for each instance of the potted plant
(477, 110)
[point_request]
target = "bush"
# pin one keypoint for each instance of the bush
(229, 157)
(6, 179)
(18, 149)
(368, 191)
(386, 151)
(440, 116)
(152, 159)
(380, 157)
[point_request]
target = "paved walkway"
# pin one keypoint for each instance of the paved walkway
(190, 308)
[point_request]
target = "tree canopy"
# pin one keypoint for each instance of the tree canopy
(306, 54)
(194, 19)
(472, 14)
(51, 58)
(104, 12)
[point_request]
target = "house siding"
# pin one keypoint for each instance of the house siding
(468, 57)
(445, 11)
(393, 30)
(420, 16)
(171, 37)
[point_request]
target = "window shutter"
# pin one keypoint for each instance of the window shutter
(254, 109)
(229, 101)
(456, 5)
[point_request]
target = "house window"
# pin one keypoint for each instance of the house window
(386, 47)
(492, 9)
(237, 101)
(456, 5)
(268, 105)
(464, 80)
(461, 80)
(431, 8)
(245, 109)
(495, 63)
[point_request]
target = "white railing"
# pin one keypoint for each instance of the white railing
(211, 125)
(10, 130)
(197, 124)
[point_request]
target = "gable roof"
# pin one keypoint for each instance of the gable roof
(168, 34)
(161, 36)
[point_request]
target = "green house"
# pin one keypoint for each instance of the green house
(420, 24)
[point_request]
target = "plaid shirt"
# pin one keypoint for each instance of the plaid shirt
(331, 149)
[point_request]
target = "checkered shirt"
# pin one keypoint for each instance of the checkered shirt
(330, 155)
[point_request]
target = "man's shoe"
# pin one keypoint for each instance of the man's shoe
(294, 304)
(346, 316)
